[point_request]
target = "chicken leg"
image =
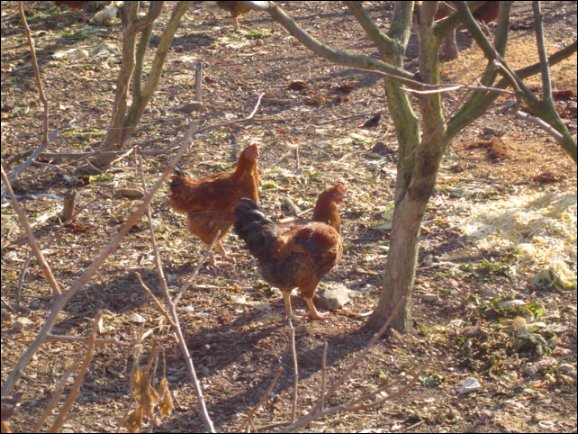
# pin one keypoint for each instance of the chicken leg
(313, 312)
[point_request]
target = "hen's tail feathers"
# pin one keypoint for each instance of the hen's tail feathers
(258, 231)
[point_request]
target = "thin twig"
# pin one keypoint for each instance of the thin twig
(412, 428)
(39, 84)
(84, 339)
(37, 74)
(298, 160)
(22, 277)
(511, 76)
(540, 42)
(295, 369)
(79, 378)
(174, 319)
(352, 406)
(158, 303)
(35, 154)
(323, 376)
(199, 80)
(345, 374)
(345, 118)
(34, 245)
(361, 62)
(451, 87)
(7, 306)
(56, 395)
(357, 404)
(315, 413)
(519, 100)
(123, 155)
(191, 279)
(254, 410)
(540, 123)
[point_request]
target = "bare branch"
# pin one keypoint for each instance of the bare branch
(35, 154)
(380, 39)
(540, 123)
(22, 277)
(254, 410)
(46, 139)
(479, 102)
(89, 272)
(79, 378)
(353, 406)
(174, 319)
(316, 412)
(191, 279)
(145, 27)
(323, 376)
(489, 51)
(37, 75)
(427, 13)
(503, 27)
(441, 88)
(400, 27)
(34, 245)
(555, 58)
(199, 80)
(544, 66)
(157, 302)
(84, 339)
(295, 369)
(337, 56)
(448, 24)
(513, 82)
(56, 395)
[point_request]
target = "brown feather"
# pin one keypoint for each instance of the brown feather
(298, 257)
(210, 202)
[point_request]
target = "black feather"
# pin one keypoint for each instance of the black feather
(253, 227)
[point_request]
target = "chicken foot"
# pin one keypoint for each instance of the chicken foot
(313, 312)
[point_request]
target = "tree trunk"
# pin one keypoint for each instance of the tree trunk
(418, 165)
(400, 267)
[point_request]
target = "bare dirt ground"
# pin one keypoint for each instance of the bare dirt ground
(468, 289)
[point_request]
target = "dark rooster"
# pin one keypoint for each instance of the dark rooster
(210, 202)
(298, 257)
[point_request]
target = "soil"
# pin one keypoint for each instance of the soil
(311, 137)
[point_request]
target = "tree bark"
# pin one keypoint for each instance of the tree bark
(418, 165)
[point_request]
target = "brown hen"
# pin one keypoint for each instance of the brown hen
(236, 9)
(298, 257)
(210, 202)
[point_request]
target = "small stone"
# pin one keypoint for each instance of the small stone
(470, 385)
(22, 323)
(334, 296)
(130, 193)
(430, 298)
(136, 318)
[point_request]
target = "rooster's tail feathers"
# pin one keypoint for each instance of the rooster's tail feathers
(258, 231)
